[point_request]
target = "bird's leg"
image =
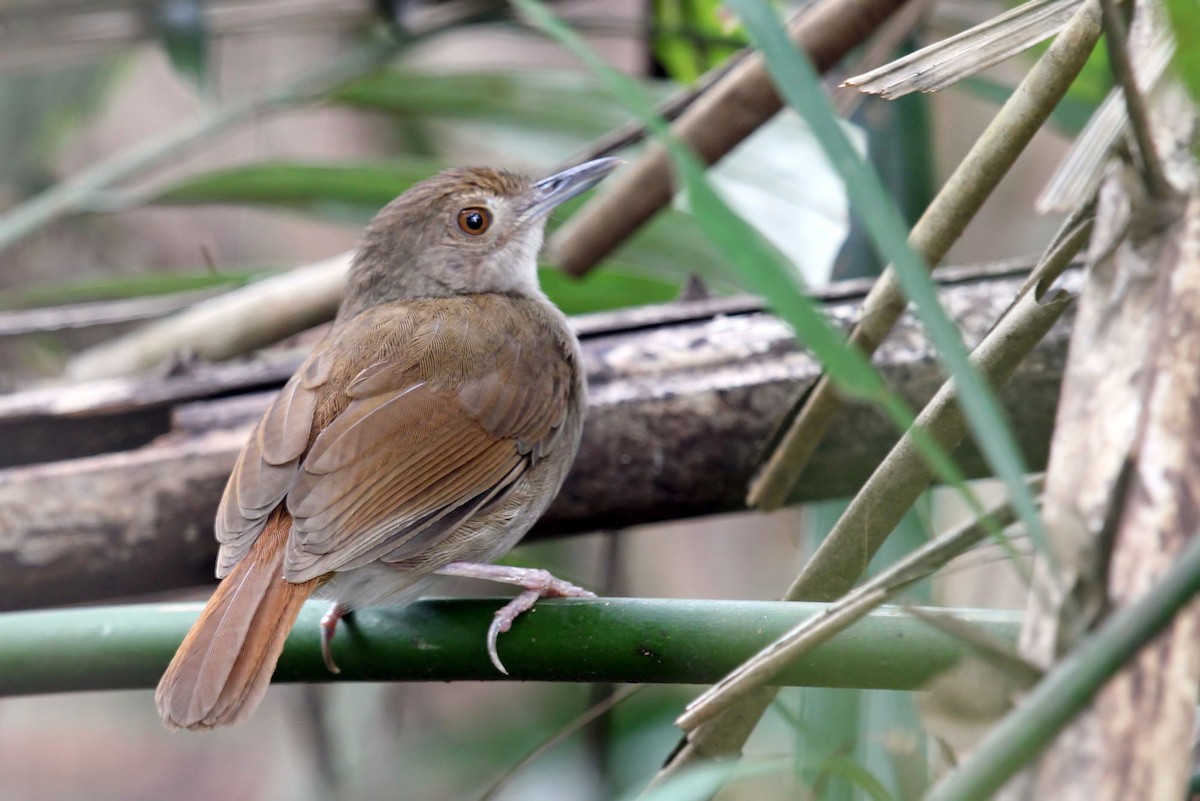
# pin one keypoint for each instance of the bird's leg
(329, 623)
(537, 583)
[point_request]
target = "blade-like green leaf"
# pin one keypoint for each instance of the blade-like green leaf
(672, 247)
(650, 268)
(601, 291)
(349, 192)
(561, 101)
(797, 81)
(856, 776)
(704, 781)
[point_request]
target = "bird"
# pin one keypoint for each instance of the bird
(425, 434)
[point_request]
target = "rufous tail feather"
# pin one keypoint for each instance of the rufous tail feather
(221, 671)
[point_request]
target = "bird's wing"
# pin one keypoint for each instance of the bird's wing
(468, 394)
(465, 403)
(397, 429)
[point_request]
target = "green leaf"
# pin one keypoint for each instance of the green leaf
(1185, 23)
(761, 265)
(605, 289)
(347, 192)
(697, 784)
(541, 100)
(43, 111)
(672, 247)
(800, 86)
(183, 34)
(856, 776)
(650, 268)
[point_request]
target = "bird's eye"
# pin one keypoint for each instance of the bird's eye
(474, 221)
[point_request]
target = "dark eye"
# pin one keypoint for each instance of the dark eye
(474, 221)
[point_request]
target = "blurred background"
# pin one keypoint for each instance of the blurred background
(90, 83)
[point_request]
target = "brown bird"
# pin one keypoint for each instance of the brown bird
(425, 434)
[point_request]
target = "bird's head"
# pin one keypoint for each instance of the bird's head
(463, 231)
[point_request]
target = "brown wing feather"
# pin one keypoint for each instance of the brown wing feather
(441, 425)
(268, 464)
(417, 454)
(415, 415)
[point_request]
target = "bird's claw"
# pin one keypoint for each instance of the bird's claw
(542, 584)
(329, 623)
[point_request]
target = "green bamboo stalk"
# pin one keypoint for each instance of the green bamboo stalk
(609, 640)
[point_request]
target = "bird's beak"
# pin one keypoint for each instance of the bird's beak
(562, 186)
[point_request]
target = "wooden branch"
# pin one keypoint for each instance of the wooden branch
(682, 400)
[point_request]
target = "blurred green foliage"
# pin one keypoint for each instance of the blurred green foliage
(1185, 24)
(690, 37)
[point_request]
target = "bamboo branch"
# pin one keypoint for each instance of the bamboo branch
(897, 483)
(608, 639)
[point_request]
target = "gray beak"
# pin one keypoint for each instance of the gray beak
(562, 186)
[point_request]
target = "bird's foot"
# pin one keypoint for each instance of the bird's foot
(329, 623)
(537, 583)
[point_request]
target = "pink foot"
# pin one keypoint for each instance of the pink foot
(537, 583)
(328, 628)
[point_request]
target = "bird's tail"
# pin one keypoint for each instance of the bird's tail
(222, 669)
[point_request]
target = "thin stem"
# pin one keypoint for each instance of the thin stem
(593, 712)
(1117, 39)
